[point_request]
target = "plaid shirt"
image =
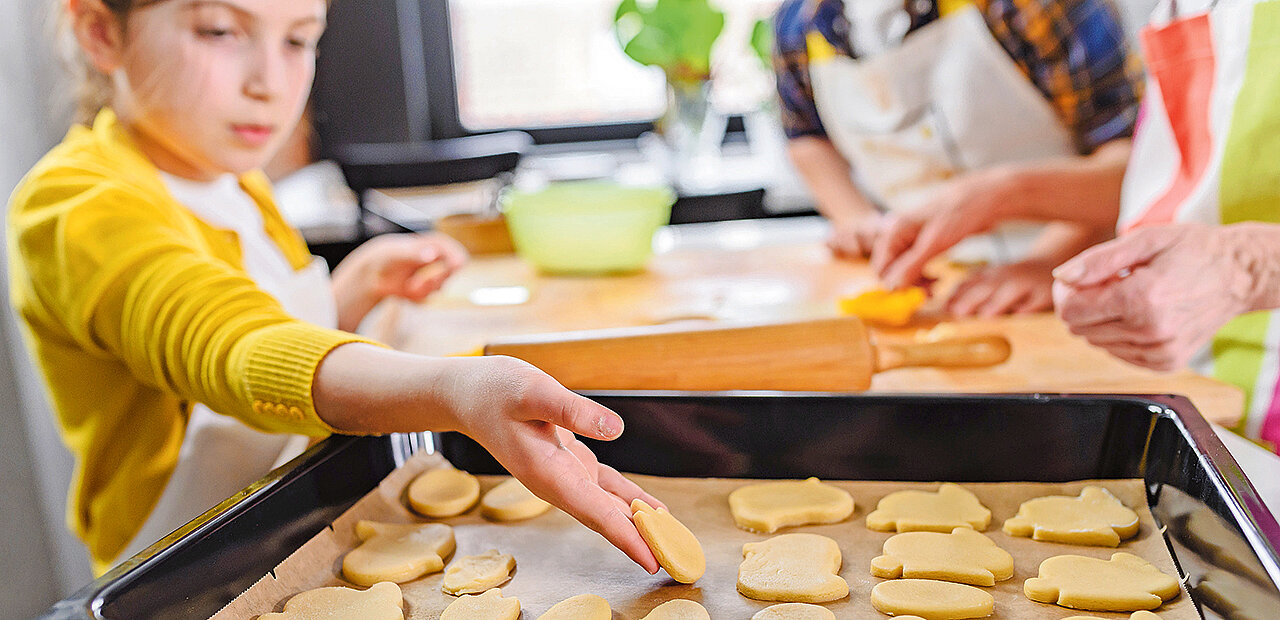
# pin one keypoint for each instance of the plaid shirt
(1074, 51)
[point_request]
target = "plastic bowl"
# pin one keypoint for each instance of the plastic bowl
(587, 227)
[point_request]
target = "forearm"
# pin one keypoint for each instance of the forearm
(1060, 241)
(1255, 249)
(354, 300)
(826, 173)
(362, 388)
(1082, 190)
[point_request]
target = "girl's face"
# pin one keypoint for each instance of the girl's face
(216, 86)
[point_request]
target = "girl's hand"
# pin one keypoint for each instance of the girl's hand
(853, 238)
(1016, 288)
(409, 266)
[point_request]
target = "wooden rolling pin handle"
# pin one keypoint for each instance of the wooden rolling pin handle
(971, 352)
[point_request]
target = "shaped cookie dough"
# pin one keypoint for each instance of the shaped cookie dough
(675, 547)
(678, 609)
(477, 573)
(381, 602)
(487, 606)
(511, 501)
(1137, 615)
(915, 511)
(931, 600)
(768, 506)
(1126, 582)
(397, 552)
(1096, 518)
(443, 492)
(794, 611)
(963, 556)
(792, 568)
(580, 607)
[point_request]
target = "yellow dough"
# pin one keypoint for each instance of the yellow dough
(397, 552)
(678, 609)
(1126, 582)
(931, 600)
(511, 501)
(767, 506)
(913, 511)
(381, 602)
(487, 606)
(580, 607)
(792, 568)
(794, 611)
(1096, 517)
(443, 492)
(675, 547)
(963, 556)
(477, 573)
(1137, 615)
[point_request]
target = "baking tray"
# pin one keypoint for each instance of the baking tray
(1189, 475)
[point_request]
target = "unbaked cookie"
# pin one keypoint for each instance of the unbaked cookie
(1137, 615)
(963, 556)
(792, 568)
(397, 552)
(580, 607)
(487, 606)
(913, 511)
(678, 609)
(794, 611)
(931, 600)
(676, 548)
(477, 573)
(381, 602)
(767, 506)
(443, 492)
(1096, 517)
(511, 501)
(1126, 582)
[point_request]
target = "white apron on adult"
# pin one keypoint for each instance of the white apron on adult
(948, 99)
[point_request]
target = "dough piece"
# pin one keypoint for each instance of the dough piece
(1096, 518)
(580, 607)
(381, 602)
(792, 568)
(931, 600)
(767, 506)
(921, 511)
(963, 556)
(794, 611)
(443, 492)
(1237, 598)
(676, 548)
(397, 552)
(477, 573)
(487, 606)
(884, 307)
(678, 609)
(1126, 582)
(511, 501)
(1137, 615)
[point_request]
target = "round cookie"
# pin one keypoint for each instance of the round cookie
(487, 606)
(511, 501)
(768, 506)
(1126, 582)
(950, 507)
(580, 607)
(397, 552)
(1096, 518)
(792, 568)
(678, 609)
(931, 600)
(676, 548)
(477, 573)
(443, 492)
(794, 611)
(380, 602)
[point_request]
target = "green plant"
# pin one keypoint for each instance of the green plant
(674, 35)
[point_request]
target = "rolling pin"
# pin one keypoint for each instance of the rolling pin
(826, 355)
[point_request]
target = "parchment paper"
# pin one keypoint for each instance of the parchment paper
(557, 558)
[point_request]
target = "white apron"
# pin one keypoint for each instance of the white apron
(948, 99)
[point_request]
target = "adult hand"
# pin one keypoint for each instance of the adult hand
(1154, 297)
(854, 237)
(1016, 288)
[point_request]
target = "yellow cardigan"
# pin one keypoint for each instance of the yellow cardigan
(134, 309)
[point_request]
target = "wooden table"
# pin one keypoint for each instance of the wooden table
(761, 270)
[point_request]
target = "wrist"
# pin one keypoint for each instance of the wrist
(1004, 190)
(1254, 249)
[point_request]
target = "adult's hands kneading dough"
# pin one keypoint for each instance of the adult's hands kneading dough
(1154, 297)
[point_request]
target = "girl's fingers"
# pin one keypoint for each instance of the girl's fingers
(1003, 300)
(624, 488)
(549, 401)
(1039, 300)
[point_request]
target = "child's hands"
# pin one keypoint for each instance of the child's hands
(1016, 288)
(854, 238)
(410, 266)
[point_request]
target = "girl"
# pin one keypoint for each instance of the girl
(157, 284)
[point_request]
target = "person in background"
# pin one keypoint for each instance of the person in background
(917, 107)
(186, 335)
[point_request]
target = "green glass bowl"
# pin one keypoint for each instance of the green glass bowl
(587, 227)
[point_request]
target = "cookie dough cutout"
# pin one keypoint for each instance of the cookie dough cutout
(678, 609)
(397, 552)
(477, 573)
(950, 507)
(1137, 615)
(511, 501)
(443, 492)
(931, 600)
(963, 556)
(1126, 582)
(380, 602)
(768, 506)
(487, 606)
(792, 568)
(794, 611)
(676, 548)
(580, 607)
(1095, 518)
